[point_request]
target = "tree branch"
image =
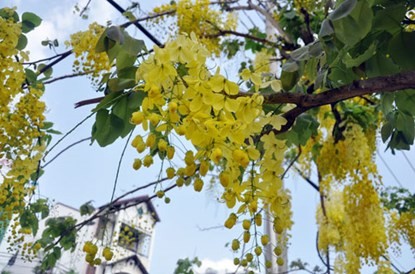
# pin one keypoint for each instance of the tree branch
(304, 102)
(392, 83)
(43, 60)
(51, 64)
(138, 25)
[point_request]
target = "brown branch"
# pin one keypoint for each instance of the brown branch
(89, 101)
(138, 25)
(44, 59)
(51, 64)
(392, 83)
(304, 102)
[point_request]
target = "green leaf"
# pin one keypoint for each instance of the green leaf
(304, 127)
(380, 65)
(389, 19)
(289, 75)
(405, 101)
(87, 208)
(127, 72)
(40, 206)
(108, 100)
(47, 125)
(311, 68)
(326, 30)
(386, 131)
(300, 54)
(129, 15)
(107, 128)
(353, 28)
(53, 131)
(124, 59)
(386, 102)
(113, 51)
(22, 42)
(29, 220)
(405, 124)
(116, 84)
(120, 109)
(315, 49)
(133, 46)
(135, 99)
(48, 72)
(340, 75)
(30, 21)
(69, 240)
(401, 50)
(343, 10)
(354, 62)
(116, 34)
(31, 76)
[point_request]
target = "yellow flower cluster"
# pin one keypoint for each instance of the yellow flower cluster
(91, 251)
(199, 17)
(353, 221)
(348, 159)
(185, 98)
(21, 117)
(354, 224)
(404, 224)
(411, 16)
(308, 5)
(83, 44)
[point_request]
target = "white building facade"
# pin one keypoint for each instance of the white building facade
(128, 229)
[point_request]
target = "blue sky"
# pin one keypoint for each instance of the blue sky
(87, 172)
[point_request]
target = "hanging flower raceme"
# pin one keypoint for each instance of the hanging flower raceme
(21, 122)
(184, 98)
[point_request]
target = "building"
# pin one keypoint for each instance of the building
(128, 229)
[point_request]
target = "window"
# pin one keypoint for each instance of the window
(134, 240)
(105, 228)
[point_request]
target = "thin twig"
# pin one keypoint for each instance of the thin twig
(268, 17)
(67, 76)
(244, 35)
(66, 134)
(311, 183)
(85, 8)
(100, 212)
(392, 264)
(291, 163)
(44, 59)
(119, 165)
(149, 17)
(65, 149)
(319, 255)
(51, 64)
